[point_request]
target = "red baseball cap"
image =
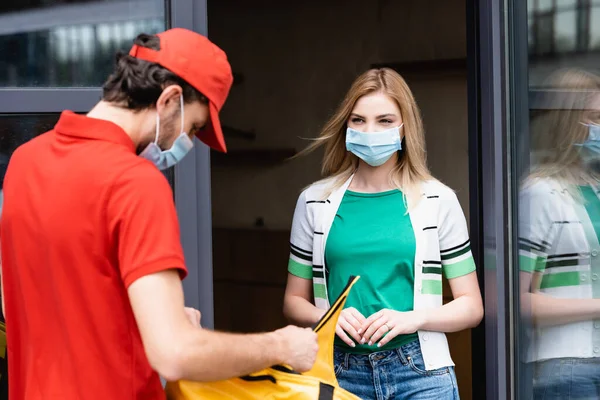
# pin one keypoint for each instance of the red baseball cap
(203, 65)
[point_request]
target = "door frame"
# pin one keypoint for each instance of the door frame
(491, 194)
(193, 192)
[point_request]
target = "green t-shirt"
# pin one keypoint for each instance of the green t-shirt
(372, 236)
(592, 206)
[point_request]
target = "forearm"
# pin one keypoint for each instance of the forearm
(547, 311)
(177, 350)
(301, 312)
(461, 313)
(211, 356)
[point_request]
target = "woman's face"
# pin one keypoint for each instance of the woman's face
(375, 112)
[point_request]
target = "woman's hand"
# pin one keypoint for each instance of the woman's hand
(391, 324)
(349, 323)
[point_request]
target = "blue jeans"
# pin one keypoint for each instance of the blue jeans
(567, 379)
(394, 374)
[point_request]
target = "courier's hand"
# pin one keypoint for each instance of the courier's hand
(299, 347)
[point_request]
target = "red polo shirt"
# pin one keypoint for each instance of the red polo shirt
(83, 218)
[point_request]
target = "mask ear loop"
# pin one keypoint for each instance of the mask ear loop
(400, 136)
(157, 127)
(181, 105)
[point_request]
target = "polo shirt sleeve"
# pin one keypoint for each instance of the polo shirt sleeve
(536, 227)
(143, 224)
(455, 245)
(301, 242)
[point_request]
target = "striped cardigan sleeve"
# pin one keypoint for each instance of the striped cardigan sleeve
(455, 246)
(536, 227)
(301, 241)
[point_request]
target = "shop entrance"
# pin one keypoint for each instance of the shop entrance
(293, 63)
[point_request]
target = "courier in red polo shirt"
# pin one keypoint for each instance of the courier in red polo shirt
(84, 217)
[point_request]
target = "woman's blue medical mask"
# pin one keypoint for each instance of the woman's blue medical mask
(592, 143)
(590, 149)
(374, 148)
(164, 159)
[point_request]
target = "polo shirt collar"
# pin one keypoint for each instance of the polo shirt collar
(83, 127)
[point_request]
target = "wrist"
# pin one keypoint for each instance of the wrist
(422, 319)
(279, 347)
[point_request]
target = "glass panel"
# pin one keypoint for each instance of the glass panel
(544, 38)
(557, 240)
(565, 32)
(531, 36)
(544, 5)
(566, 3)
(69, 43)
(595, 28)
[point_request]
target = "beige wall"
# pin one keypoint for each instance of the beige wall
(298, 59)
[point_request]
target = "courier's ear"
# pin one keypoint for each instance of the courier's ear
(169, 100)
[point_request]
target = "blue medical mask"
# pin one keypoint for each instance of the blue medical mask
(164, 159)
(590, 149)
(592, 144)
(374, 148)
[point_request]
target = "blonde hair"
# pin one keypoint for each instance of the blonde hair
(339, 164)
(555, 133)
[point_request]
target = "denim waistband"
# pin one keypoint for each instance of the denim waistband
(402, 354)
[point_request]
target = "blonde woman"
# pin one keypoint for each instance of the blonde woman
(559, 235)
(381, 215)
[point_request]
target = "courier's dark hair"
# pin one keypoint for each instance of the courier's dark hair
(137, 84)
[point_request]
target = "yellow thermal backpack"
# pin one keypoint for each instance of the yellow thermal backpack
(279, 382)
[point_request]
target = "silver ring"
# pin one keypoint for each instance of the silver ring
(388, 327)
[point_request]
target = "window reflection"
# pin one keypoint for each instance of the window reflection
(566, 3)
(70, 43)
(543, 5)
(559, 240)
(562, 26)
(559, 205)
(565, 31)
(595, 28)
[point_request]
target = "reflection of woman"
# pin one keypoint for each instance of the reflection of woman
(559, 241)
(379, 214)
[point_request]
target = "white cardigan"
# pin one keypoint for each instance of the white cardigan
(442, 244)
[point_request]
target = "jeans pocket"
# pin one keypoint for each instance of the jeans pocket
(417, 364)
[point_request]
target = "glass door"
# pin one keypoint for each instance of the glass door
(554, 98)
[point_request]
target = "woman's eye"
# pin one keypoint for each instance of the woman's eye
(386, 121)
(356, 120)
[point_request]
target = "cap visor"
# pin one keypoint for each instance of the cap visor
(212, 135)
